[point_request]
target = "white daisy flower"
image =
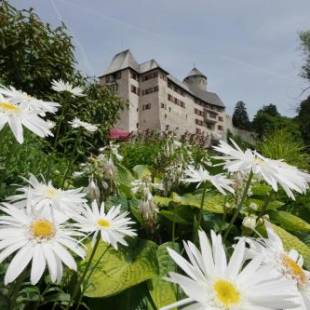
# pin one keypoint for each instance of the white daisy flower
(288, 263)
(212, 283)
(61, 86)
(113, 226)
(33, 104)
(37, 239)
(45, 199)
(201, 175)
(274, 172)
(17, 115)
(77, 123)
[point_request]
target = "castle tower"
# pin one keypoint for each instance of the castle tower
(196, 80)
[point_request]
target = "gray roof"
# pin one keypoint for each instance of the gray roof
(204, 95)
(195, 72)
(148, 65)
(125, 60)
(122, 61)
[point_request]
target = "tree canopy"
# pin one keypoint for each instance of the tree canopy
(240, 117)
(33, 54)
(304, 120)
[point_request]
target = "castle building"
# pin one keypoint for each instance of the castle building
(159, 101)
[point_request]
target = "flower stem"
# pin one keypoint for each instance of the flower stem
(73, 159)
(80, 282)
(197, 223)
(244, 196)
(264, 206)
(201, 205)
(89, 275)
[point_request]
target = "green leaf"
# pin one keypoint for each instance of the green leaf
(162, 201)
(272, 205)
(292, 242)
(134, 298)
(290, 222)
(172, 216)
(141, 171)
(123, 268)
(162, 292)
(260, 189)
(213, 202)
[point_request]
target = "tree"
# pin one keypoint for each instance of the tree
(268, 119)
(240, 117)
(32, 55)
(305, 44)
(304, 120)
(271, 110)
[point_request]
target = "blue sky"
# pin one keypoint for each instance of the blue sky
(249, 49)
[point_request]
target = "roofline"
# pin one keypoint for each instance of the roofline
(195, 96)
(129, 67)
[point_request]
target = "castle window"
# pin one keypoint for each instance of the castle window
(212, 115)
(134, 89)
(220, 118)
(198, 122)
(198, 130)
(219, 127)
(149, 76)
(150, 90)
(134, 75)
(146, 107)
(162, 76)
(137, 125)
(162, 105)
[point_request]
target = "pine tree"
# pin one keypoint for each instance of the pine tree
(240, 117)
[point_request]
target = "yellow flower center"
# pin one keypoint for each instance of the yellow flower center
(104, 223)
(294, 269)
(51, 192)
(42, 229)
(8, 107)
(226, 293)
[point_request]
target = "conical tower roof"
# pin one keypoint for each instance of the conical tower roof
(195, 72)
(121, 61)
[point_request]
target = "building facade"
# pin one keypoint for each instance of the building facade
(158, 101)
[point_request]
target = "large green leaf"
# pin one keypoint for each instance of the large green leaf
(134, 298)
(141, 171)
(260, 189)
(123, 268)
(162, 201)
(290, 222)
(213, 202)
(272, 205)
(292, 242)
(162, 292)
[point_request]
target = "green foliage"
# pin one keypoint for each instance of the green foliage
(304, 120)
(290, 222)
(162, 292)
(40, 54)
(122, 268)
(283, 144)
(34, 50)
(305, 44)
(268, 119)
(240, 118)
(18, 161)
